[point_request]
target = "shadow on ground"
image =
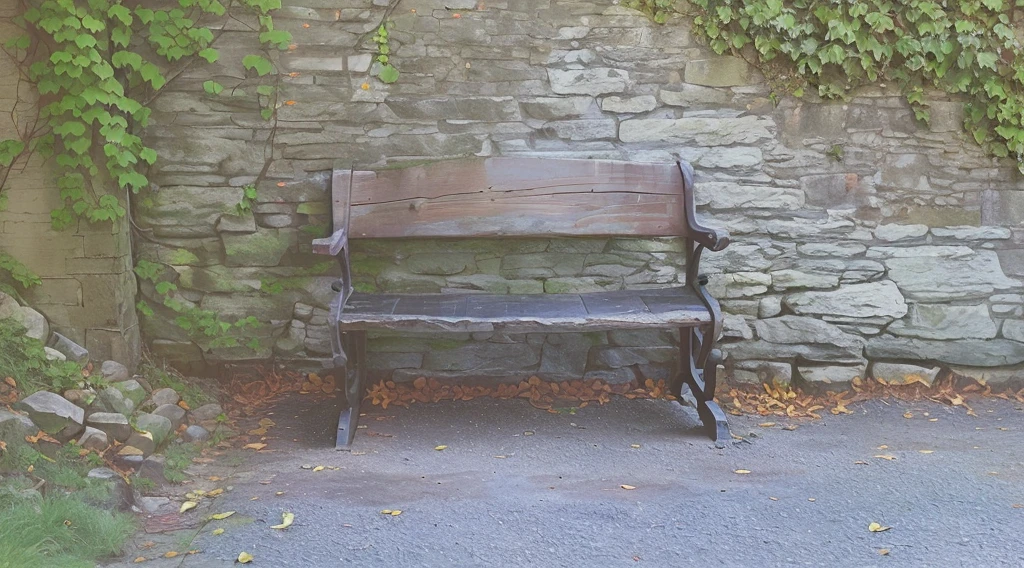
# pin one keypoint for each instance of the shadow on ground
(518, 486)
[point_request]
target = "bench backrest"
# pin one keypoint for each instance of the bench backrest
(481, 197)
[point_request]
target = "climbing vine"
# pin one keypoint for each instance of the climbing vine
(968, 48)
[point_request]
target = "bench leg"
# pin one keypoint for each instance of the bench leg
(702, 382)
(354, 345)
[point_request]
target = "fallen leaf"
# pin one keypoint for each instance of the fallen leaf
(883, 447)
(170, 554)
(395, 513)
(627, 487)
(244, 558)
(386, 512)
(926, 451)
(255, 446)
(217, 532)
(773, 498)
(634, 446)
(318, 468)
(885, 457)
(139, 559)
(286, 520)
(742, 471)
(187, 506)
(790, 427)
(883, 551)
(222, 516)
(908, 415)
(811, 499)
(183, 405)
(215, 492)
(279, 493)
(441, 448)
(1018, 505)
(860, 462)
(933, 420)
(875, 527)
(11, 382)
(766, 424)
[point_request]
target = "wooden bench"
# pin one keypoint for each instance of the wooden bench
(525, 197)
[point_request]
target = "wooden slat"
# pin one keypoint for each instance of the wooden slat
(625, 309)
(513, 197)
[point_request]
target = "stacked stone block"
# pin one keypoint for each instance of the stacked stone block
(861, 237)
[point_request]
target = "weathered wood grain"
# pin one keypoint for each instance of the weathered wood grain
(512, 197)
(624, 309)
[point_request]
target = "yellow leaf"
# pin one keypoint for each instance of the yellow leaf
(266, 422)
(286, 520)
(318, 468)
(860, 462)
(908, 414)
(215, 492)
(875, 527)
(766, 424)
(187, 506)
(222, 516)
(244, 558)
(926, 451)
(255, 446)
(279, 493)
(441, 448)
(773, 498)
(139, 559)
(634, 446)
(217, 532)
(885, 457)
(742, 471)
(627, 487)
(386, 512)
(883, 551)
(170, 554)
(395, 513)
(933, 420)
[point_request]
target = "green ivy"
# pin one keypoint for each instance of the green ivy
(967, 48)
(18, 271)
(204, 327)
(387, 73)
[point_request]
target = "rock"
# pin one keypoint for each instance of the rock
(698, 131)
(93, 439)
(139, 443)
(939, 321)
(114, 424)
(129, 458)
(642, 103)
(164, 396)
(769, 307)
(195, 433)
(206, 412)
(34, 323)
(482, 358)
(963, 352)
(112, 400)
(17, 425)
(172, 412)
(594, 81)
(760, 372)
(943, 273)
(994, 377)
(71, 350)
(102, 473)
(80, 397)
(152, 504)
(896, 232)
(788, 337)
(159, 426)
(718, 195)
(153, 469)
(899, 374)
(53, 413)
(721, 71)
(621, 376)
(265, 247)
(738, 284)
(114, 372)
(120, 496)
(132, 390)
(1014, 329)
(871, 299)
(566, 359)
(832, 377)
(54, 355)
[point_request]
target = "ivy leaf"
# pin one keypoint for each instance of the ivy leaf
(92, 24)
(261, 64)
(388, 74)
(121, 13)
(212, 87)
(209, 54)
(149, 155)
(9, 151)
(120, 36)
(279, 38)
(152, 74)
(265, 90)
(126, 59)
(987, 60)
(85, 40)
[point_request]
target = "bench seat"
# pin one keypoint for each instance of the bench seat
(622, 309)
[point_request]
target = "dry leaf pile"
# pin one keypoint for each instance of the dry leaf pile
(782, 400)
(546, 395)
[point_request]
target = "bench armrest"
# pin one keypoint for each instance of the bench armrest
(333, 244)
(711, 239)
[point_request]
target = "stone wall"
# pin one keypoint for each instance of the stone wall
(859, 235)
(88, 288)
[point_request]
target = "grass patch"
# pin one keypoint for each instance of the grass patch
(63, 527)
(58, 530)
(179, 457)
(189, 391)
(23, 359)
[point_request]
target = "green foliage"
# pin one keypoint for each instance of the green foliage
(388, 73)
(18, 271)
(179, 457)
(967, 48)
(191, 391)
(298, 281)
(24, 359)
(204, 327)
(248, 197)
